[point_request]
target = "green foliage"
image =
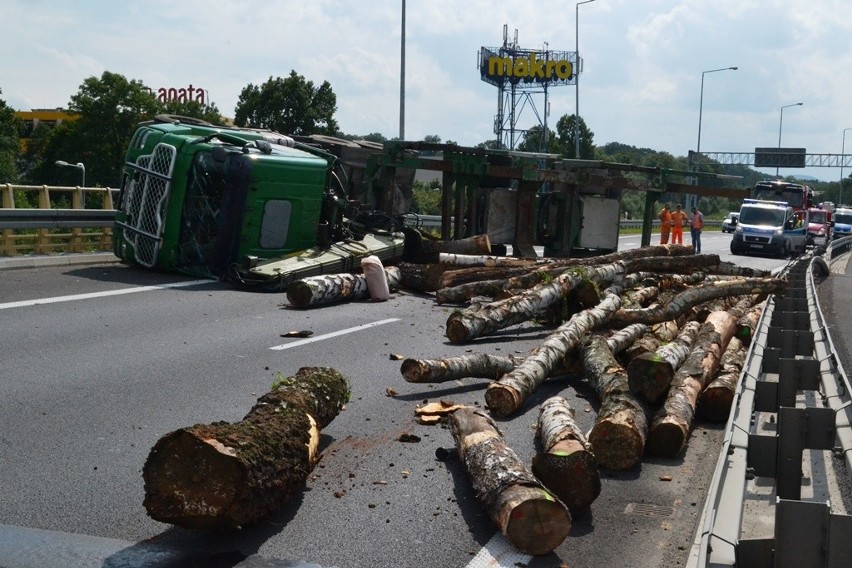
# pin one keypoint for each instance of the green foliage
(194, 109)
(565, 131)
(290, 106)
(9, 143)
(426, 198)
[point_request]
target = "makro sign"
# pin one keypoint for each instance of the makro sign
(183, 95)
(526, 67)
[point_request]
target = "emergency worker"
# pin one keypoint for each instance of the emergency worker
(696, 224)
(678, 221)
(665, 224)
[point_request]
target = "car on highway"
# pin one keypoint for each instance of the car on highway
(842, 222)
(730, 222)
(770, 227)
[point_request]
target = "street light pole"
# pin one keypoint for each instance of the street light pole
(577, 77)
(780, 122)
(842, 152)
(402, 78)
(701, 109)
(78, 165)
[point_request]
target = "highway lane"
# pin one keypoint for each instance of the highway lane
(88, 385)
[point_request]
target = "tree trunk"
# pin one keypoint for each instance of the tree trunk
(466, 325)
(747, 323)
(420, 277)
(506, 395)
(524, 511)
(716, 400)
(692, 297)
(330, 288)
(566, 466)
(618, 342)
(225, 475)
(670, 428)
(618, 436)
(651, 374)
(427, 250)
(453, 368)
(449, 259)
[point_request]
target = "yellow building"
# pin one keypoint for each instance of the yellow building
(31, 119)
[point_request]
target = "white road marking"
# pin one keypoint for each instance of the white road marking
(332, 334)
(75, 297)
(499, 553)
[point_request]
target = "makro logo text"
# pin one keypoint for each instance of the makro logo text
(531, 68)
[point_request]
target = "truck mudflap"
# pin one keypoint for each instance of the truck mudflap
(342, 256)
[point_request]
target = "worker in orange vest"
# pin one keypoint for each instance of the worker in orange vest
(696, 224)
(678, 220)
(665, 223)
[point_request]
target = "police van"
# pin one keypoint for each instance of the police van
(770, 228)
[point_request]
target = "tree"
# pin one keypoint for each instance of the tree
(565, 132)
(110, 108)
(9, 143)
(289, 106)
(533, 142)
(209, 112)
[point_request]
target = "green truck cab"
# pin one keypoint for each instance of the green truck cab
(200, 199)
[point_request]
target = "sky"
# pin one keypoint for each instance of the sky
(641, 82)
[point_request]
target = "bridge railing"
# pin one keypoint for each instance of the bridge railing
(37, 219)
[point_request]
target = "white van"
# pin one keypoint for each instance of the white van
(770, 227)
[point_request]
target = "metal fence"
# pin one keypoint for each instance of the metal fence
(37, 219)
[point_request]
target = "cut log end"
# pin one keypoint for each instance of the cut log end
(617, 444)
(299, 294)
(456, 330)
(570, 475)
(666, 439)
(502, 400)
(650, 376)
(715, 403)
(413, 370)
(535, 522)
(197, 493)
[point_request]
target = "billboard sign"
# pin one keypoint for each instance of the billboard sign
(779, 157)
(527, 68)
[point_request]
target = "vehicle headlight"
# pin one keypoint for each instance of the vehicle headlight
(738, 230)
(821, 232)
(779, 232)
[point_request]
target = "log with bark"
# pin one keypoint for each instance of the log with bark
(618, 342)
(226, 475)
(422, 248)
(530, 517)
(621, 428)
(671, 426)
(717, 398)
(466, 325)
(651, 374)
(453, 368)
(694, 296)
(747, 323)
(566, 464)
(506, 395)
(331, 288)
(420, 277)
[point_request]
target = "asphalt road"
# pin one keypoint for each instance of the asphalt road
(102, 360)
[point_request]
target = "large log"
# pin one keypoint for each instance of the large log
(422, 248)
(717, 398)
(692, 297)
(528, 515)
(619, 434)
(671, 426)
(452, 368)
(226, 475)
(566, 464)
(506, 395)
(331, 288)
(420, 277)
(651, 374)
(618, 342)
(466, 325)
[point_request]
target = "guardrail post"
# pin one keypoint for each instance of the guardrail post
(77, 202)
(7, 243)
(43, 240)
(106, 232)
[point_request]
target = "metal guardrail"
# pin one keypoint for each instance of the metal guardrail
(792, 412)
(14, 219)
(434, 221)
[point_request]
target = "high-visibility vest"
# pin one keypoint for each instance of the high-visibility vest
(698, 220)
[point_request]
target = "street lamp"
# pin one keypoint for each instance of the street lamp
(78, 165)
(780, 122)
(577, 77)
(701, 110)
(842, 152)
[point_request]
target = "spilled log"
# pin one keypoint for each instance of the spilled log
(530, 517)
(480, 365)
(671, 426)
(566, 465)
(621, 428)
(717, 398)
(651, 374)
(692, 297)
(226, 475)
(422, 248)
(328, 289)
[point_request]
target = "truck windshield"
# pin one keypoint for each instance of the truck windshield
(792, 196)
(817, 217)
(762, 216)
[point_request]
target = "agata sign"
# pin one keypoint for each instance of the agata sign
(183, 95)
